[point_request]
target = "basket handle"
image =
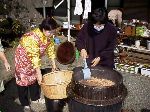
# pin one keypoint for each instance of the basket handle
(52, 72)
(64, 82)
(58, 70)
(48, 84)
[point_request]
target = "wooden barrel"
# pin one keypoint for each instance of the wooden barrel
(97, 98)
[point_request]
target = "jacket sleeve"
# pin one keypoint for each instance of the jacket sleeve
(51, 50)
(80, 40)
(33, 50)
(108, 52)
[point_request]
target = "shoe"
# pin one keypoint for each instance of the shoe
(41, 101)
(38, 105)
(17, 101)
(27, 109)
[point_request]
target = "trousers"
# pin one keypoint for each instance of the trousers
(26, 93)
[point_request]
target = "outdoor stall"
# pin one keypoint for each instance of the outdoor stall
(133, 61)
(134, 47)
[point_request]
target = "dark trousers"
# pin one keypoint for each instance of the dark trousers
(27, 92)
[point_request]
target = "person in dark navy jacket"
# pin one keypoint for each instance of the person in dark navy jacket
(97, 39)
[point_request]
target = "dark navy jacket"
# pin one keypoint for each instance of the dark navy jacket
(98, 44)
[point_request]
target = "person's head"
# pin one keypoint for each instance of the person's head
(48, 26)
(99, 16)
(115, 16)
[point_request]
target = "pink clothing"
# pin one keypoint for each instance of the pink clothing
(25, 71)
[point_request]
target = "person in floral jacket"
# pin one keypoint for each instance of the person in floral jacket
(31, 48)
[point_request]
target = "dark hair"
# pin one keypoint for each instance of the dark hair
(99, 15)
(48, 24)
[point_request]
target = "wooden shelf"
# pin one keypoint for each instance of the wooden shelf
(123, 35)
(138, 55)
(145, 51)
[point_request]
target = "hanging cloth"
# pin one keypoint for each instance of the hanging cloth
(87, 8)
(78, 8)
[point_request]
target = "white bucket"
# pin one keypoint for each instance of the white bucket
(137, 44)
(148, 44)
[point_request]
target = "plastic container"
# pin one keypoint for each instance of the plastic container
(148, 44)
(137, 44)
(57, 40)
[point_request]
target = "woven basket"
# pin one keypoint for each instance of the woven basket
(54, 84)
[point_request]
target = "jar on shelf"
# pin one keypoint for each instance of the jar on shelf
(132, 69)
(141, 27)
(143, 71)
(126, 68)
(148, 72)
(137, 44)
(129, 30)
(119, 66)
(116, 65)
(122, 67)
(148, 44)
(137, 68)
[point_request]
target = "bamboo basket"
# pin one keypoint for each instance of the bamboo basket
(54, 84)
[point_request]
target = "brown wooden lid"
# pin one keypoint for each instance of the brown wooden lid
(65, 53)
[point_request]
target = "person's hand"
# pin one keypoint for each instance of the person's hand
(54, 69)
(7, 66)
(84, 54)
(39, 78)
(95, 61)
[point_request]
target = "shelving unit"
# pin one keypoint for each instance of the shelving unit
(138, 55)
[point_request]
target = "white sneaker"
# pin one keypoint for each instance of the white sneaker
(27, 109)
(41, 101)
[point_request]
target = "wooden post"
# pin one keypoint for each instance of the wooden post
(106, 4)
(68, 13)
(44, 10)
